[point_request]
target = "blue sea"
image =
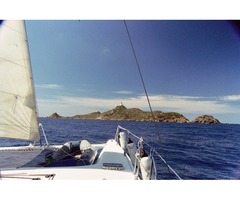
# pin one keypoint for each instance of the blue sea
(194, 151)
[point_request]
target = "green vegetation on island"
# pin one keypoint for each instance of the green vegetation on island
(135, 114)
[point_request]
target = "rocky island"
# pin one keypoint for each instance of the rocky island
(206, 119)
(135, 114)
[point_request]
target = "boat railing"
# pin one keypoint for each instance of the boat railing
(153, 153)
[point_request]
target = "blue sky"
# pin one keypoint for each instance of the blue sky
(189, 66)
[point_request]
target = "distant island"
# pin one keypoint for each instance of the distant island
(135, 114)
(206, 119)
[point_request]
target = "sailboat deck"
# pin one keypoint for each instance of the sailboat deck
(112, 163)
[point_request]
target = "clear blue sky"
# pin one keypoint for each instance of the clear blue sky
(191, 67)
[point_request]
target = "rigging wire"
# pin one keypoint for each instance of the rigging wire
(139, 70)
(146, 93)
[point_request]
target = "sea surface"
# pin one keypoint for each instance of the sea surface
(194, 151)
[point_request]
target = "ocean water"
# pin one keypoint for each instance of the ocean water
(194, 151)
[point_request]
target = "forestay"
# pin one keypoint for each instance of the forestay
(18, 116)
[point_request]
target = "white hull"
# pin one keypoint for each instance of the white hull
(66, 173)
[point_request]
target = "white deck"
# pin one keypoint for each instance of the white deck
(112, 153)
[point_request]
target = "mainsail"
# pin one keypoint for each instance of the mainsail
(18, 113)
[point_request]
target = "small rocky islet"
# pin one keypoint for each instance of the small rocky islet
(136, 114)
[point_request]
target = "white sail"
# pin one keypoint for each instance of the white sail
(18, 115)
